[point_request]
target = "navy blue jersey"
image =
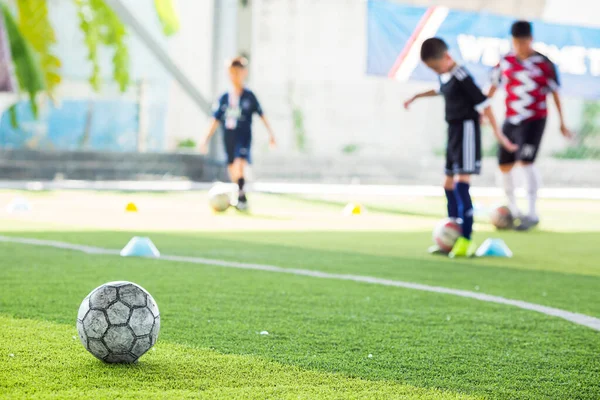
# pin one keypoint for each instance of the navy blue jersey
(464, 99)
(235, 114)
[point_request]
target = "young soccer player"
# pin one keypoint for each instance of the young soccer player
(528, 77)
(234, 111)
(464, 101)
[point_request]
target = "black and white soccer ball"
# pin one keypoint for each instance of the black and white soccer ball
(118, 322)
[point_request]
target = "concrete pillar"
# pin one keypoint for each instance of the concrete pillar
(225, 41)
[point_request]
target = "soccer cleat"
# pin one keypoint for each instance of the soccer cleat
(527, 223)
(463, 248)
(436, 251)
(242, 205)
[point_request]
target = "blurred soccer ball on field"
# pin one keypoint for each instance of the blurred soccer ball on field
(219, 197)
(118, 322)
(502, 218)
(446, 233)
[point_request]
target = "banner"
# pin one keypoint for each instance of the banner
(478, 40)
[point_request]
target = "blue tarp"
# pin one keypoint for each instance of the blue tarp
(478, 40)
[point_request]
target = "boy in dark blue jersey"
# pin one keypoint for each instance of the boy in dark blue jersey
(234, 111)
(464, 103)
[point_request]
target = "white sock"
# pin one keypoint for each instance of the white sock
(532, 180)
(509, 189)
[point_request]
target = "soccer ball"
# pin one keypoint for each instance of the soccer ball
(446, 233)
(118, 322)
(219, 197)
(502, 218)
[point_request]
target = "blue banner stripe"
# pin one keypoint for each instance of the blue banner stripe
(479, 40)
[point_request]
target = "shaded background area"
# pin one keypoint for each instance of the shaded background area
(308, 66)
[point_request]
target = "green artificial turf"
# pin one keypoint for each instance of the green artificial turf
(327, 338)
(44, 360)
(423, 340)
(568, 278)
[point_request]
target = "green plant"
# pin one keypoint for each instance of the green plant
(585, 146)
(101, 26)
(351, 148)
(579, 153)
(26, 61)
(299, 130)
(32, 36)
(35, 26)
(187, 144)
(165, 9)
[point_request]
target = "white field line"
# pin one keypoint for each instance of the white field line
(576, 318)
(293, 188)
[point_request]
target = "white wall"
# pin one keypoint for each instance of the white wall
(577, 12)
(311, 54)
(307, 55)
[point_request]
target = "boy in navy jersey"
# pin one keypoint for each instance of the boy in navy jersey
(464, 102)
(234, 111)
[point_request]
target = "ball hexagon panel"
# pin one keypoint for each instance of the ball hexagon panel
(155, 330)
(118, 313)
(82, 336)
(97, 348)
(141, 346)
(141, 321)
(119, 339)
(151, 304)
(132, 295)
(95, 324)
(83, 308)
(103, 296)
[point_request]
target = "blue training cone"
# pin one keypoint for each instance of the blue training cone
(140, 247)
(494, 248)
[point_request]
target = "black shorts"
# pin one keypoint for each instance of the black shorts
(527, 135)
(463, 154)
(237, 146)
